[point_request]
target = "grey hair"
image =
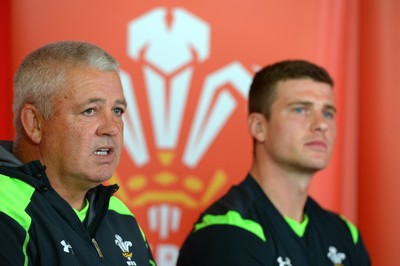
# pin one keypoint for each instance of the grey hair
(44, 72)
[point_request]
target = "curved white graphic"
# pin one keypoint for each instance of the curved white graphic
(169, 45)
(169, 51)
(206, 127)
(134, 140)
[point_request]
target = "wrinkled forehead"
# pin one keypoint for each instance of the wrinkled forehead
(90, 85)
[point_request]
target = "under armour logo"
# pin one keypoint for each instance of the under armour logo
(285, 262)
(67, 247)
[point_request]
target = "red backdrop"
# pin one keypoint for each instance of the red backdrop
(196, 47)
(6, 129)
(379, 128)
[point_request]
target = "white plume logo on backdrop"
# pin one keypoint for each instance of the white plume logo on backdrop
(169, 53)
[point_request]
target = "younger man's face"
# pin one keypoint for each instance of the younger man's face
(301, 129)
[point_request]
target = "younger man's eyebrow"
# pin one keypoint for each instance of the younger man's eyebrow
(330, 107)
(308, 103)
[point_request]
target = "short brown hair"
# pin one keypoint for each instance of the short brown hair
(263, 88)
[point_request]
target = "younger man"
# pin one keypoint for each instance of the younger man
(269, 218)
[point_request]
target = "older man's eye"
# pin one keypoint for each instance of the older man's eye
(118, 111)
(89, 112)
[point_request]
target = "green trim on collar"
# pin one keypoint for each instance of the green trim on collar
(82, 213)
(118, 206)
(298, 228)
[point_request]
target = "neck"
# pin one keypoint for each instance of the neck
(67, 187)
(25, 151)
(287, 190)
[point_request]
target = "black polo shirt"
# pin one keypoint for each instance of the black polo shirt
(244, 228)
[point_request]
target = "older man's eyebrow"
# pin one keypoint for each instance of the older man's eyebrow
(121, 102)
(101, 100)
(95, 100)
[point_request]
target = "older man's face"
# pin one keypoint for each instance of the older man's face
(82, 141)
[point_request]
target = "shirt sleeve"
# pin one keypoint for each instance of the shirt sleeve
(14, 241)
(362, 253)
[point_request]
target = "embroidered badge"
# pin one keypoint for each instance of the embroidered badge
(124, 246)
(335, 256)
(284, 262)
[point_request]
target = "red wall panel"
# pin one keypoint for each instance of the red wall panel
(379, 131)
(6, 129)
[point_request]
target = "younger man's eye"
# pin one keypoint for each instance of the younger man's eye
(329, 114)
(299, 109)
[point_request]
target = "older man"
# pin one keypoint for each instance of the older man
(68, 105)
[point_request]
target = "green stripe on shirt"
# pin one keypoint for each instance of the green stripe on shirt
(231, 218)
(353, 229)
(15, 198)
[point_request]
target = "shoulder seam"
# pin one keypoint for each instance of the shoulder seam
(231, 218)
(353, 229)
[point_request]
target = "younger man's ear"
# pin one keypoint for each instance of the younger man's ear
(32, 119)
(257, 126)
